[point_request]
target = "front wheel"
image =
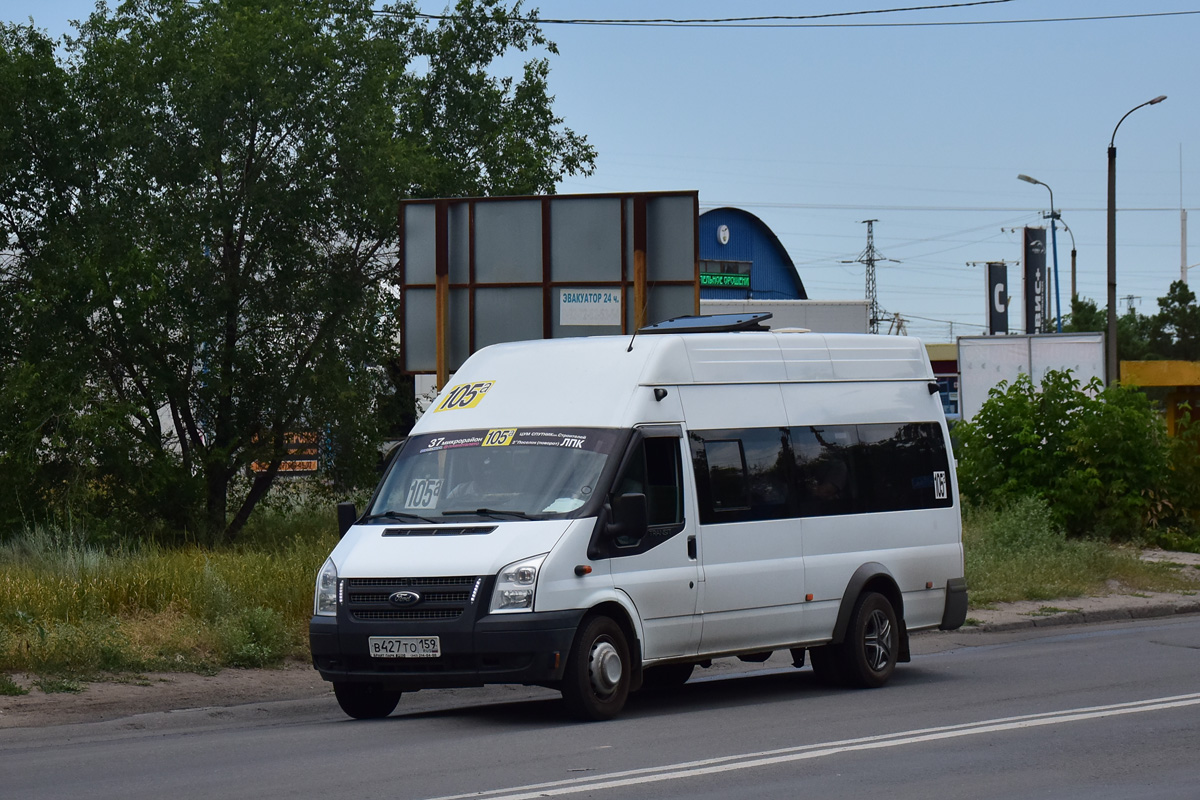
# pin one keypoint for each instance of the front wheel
(365, 700)
(867, 657)
(596, 682)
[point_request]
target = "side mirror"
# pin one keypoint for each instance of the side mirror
(629, 519)
(346, 515)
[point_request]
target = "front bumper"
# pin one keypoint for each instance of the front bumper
(502, 648)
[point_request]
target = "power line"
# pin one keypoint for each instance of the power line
(990, 209)
(748, 22)
(722, 21)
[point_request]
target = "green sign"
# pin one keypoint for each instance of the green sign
(727, 280)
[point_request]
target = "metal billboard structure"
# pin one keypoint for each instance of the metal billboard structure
(485, 270)
(985, 361)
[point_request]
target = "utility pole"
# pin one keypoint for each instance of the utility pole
(870, 256)
(1129, 298)
(898, 326)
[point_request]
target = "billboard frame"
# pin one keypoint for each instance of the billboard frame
(633, 272)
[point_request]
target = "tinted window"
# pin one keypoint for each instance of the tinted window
(664, 477)
(827, 473)
(819, 470)
(744, 474)
(726, 474)
(907, 466)
(655, 470)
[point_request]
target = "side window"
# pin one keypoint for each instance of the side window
(742, 474)
(664, 479)
(908, 466)
(726, 469)
(656, 470)
(827, 474)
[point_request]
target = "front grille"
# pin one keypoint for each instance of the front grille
(449, 613)
(406, 583)
(441, 598)
(427, 597)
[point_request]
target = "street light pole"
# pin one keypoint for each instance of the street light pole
(1053, 246)
(1111, 364)
(1073, 292)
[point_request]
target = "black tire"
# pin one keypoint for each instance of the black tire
(365, 700)
(668, 676)
(596, 681)
(867, 657)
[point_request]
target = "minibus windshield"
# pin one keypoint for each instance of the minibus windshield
(501, 473)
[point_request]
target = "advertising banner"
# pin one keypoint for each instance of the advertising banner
(1034, 260)
(997, 285)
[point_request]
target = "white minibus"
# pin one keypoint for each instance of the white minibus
(602, 515)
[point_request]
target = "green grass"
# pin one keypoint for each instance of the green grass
(56, 685)
(70, 610)
(1016, 553)
(10, 688)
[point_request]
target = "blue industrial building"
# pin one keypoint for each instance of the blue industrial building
(742, 259)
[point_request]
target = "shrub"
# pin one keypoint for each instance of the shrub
(257, 637)
(1096, 456)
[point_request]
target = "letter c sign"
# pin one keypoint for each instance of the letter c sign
(998, 297)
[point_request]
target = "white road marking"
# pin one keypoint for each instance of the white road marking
(711, 766)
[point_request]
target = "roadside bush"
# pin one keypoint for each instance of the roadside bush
(1097, 456)
(257, 637)
(1175, 522)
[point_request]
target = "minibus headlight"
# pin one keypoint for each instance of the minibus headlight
(515, 586)
(326, 598)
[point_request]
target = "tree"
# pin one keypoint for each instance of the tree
(210, 267)
(1133, 329)
(1176, 327)
(1085, 316)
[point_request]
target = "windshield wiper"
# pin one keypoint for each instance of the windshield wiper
(494, 513)
(401, 515)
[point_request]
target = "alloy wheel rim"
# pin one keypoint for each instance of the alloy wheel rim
(877, 641)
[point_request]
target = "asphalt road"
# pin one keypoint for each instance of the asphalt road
(1095, 711)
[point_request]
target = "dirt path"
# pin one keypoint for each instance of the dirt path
(158, 691)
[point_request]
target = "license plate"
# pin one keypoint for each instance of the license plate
(405, 646)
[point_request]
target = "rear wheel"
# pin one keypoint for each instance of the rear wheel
(596, 681)
(867, 657)
(365, 700)
(668, 676)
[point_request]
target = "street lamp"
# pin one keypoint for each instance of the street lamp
(1053, 245)
(1111, 364)
(1068, 230)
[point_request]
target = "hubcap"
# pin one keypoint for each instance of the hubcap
(877, 641)
(605, 668)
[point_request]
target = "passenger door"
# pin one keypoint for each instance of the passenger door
(750, 539)
(660, 572)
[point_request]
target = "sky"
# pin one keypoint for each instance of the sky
(922, 127)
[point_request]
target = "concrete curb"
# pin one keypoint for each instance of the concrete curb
(1079, 611)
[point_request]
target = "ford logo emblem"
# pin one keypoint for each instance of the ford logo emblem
(404, 598)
